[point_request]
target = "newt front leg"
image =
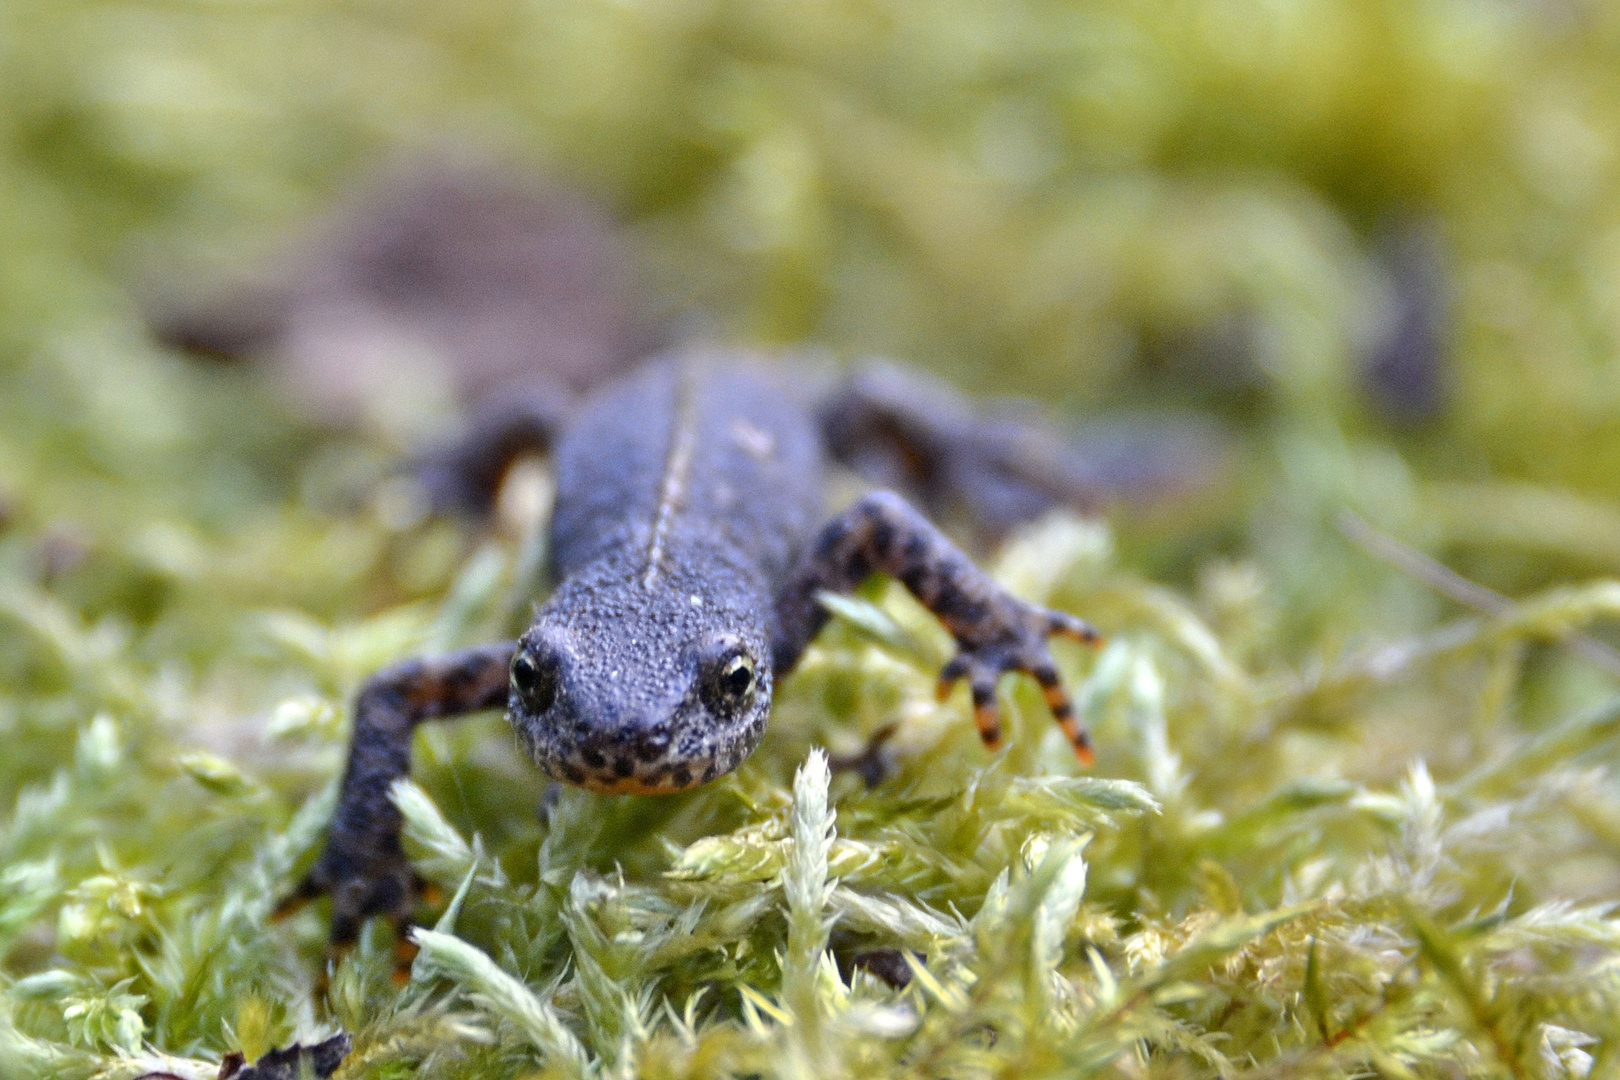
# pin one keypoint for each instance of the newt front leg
(995, 631)
(363, 867)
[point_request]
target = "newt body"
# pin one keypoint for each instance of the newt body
(689, 544)
(691, 490)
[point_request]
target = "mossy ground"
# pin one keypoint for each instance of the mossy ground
(1338, 824)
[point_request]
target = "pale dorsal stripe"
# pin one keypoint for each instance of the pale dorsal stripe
(677, 472)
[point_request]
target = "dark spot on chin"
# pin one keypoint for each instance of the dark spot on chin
(593, 758)
(682, 776)
(572, 773)
(711, 772)
(623, 766)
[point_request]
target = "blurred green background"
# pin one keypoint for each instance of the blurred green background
(1230, 205)
(1378, 240)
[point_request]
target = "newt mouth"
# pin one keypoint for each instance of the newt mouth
(626, 765)
(632, 786)
(626, 776)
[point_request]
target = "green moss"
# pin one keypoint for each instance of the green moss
(1337, 825)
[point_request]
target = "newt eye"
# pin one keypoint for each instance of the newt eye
(534, 681)
(730, 680)
(737, 677)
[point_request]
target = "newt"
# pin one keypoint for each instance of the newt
(689, 544)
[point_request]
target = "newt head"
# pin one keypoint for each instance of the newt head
(627, 690)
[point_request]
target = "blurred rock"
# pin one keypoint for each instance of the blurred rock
(431, 287)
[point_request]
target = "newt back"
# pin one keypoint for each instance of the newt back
(685, 493)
